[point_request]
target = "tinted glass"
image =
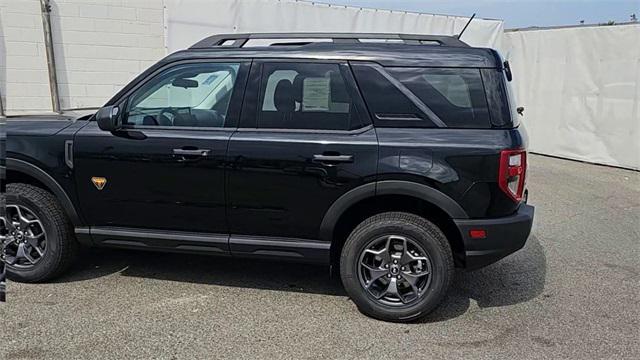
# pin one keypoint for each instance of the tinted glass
(513, 105)
(305, 96)
(456, 96)
(498, 98)
(387, 104)
(194, 95)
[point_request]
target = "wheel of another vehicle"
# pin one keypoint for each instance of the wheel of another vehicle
(37, 236)
(396, 266)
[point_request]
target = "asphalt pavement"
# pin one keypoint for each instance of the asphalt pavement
(572, 292)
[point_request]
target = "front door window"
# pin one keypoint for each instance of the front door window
(193, 95)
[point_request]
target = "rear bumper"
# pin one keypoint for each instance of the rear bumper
(504, 236)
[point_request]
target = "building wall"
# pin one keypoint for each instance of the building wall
(23, 65)
(99, 45)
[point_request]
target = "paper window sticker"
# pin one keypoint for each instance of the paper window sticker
(315, 94)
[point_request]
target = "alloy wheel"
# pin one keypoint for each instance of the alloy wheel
(394, 270)
(24, 240)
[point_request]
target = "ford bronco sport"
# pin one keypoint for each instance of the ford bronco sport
(393, 158)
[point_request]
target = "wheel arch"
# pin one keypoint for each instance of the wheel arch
(23, 171)
(373, 198)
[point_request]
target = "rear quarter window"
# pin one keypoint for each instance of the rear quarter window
(388, 106)
(456, 96)
(424, 97)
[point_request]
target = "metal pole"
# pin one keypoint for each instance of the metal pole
(1, 106)
(45, 8)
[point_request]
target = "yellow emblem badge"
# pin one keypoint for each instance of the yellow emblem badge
(99, 182)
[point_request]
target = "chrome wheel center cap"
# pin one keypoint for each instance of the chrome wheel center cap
(395, 270)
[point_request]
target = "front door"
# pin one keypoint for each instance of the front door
(165, 169)
(304, 140)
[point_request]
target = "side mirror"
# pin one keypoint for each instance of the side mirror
(108, 119)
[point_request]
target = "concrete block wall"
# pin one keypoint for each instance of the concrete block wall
(24, 83)
(99, 45)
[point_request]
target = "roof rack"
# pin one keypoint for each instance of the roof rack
(239, 40)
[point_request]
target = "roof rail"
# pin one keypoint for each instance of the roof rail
(239, 40)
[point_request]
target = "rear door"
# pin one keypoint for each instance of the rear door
(165, 169)
(304, 140)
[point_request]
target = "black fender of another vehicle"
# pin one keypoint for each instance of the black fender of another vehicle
(387, 187)
(51, 184)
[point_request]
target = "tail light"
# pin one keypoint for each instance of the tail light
(512, 173)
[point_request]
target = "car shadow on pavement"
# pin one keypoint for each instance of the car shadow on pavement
(518, 278)
(515, 279)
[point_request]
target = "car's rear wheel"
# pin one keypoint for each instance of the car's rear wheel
(396, 266)
(37, 237)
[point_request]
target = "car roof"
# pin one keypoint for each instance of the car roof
(384, 54)
(385, 49)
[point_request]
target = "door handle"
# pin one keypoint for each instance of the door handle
(68, 153)
(332, 159)
(192, 152)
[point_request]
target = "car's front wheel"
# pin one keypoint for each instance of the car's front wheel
(396, 266)
(37, 237)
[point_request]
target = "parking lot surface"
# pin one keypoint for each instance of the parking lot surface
(572, 292)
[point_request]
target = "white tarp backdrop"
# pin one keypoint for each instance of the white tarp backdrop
(581, 91)
(188, 21)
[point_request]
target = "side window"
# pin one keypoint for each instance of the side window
(192, 95)
(424, 97)
(386, 102)
(456, 96)
(452, 87)
(305, 96)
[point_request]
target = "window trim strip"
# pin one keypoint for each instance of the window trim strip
(309, 131)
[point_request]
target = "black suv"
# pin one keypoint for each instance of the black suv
(393, 158)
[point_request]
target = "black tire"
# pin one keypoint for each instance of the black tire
(422, 232)
(62, 246)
